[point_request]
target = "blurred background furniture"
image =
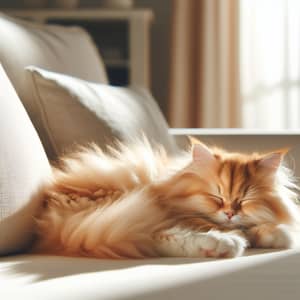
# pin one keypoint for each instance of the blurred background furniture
(121, 36)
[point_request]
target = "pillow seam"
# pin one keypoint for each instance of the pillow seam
(43, 113)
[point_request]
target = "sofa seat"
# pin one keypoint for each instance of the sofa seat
(260, 274)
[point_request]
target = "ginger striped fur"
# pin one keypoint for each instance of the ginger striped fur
(136, 201)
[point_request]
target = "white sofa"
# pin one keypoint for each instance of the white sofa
(259, 274)
(254, 276)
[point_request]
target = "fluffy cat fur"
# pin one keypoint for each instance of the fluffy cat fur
(139, 202)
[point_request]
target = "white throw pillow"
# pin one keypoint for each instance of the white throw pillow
(23, 167)
(74, 111)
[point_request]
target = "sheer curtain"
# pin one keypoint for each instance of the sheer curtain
(204, 74)
(269, 63)
(235, 63)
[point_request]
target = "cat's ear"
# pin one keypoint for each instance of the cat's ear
(272, 161)
(202, 154)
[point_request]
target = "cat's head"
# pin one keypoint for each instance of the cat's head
(235, 190)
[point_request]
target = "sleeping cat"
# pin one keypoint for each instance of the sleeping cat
(139, 202)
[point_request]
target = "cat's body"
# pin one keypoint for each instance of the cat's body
(139, 202)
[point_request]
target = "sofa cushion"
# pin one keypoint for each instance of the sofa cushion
(260, 274)
(76, 111)
(23, 167)
(69, 50)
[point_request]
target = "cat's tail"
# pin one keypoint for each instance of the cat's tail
(115, 230)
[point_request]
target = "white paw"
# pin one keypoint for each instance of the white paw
(280, 237)
(219, 244)
(182, 242)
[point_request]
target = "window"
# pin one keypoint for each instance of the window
(270, 64)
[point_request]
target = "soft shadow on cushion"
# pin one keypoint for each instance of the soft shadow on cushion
(74, 111)
(260, 276)
(23, 167)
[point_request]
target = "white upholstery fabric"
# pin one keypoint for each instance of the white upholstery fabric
(267, 276)
(76, 111)
(23, 166)
(69, 50)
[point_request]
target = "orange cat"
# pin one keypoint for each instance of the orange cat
(139, 202)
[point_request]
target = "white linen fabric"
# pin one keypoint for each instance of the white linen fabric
(257, 275)
(73, 111)
(23, 167)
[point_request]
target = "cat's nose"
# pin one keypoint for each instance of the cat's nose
(229, 214)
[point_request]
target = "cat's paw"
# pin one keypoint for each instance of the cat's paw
(179, 242)
(272, 236)
(283, 237)
(219, 244)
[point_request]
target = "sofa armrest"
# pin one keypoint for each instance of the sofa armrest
(180, 135)
(230, 131)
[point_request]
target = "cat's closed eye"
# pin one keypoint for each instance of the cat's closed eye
(217, 199)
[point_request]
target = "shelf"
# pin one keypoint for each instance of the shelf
(116, 63)
(121, 36)
(85, 14)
